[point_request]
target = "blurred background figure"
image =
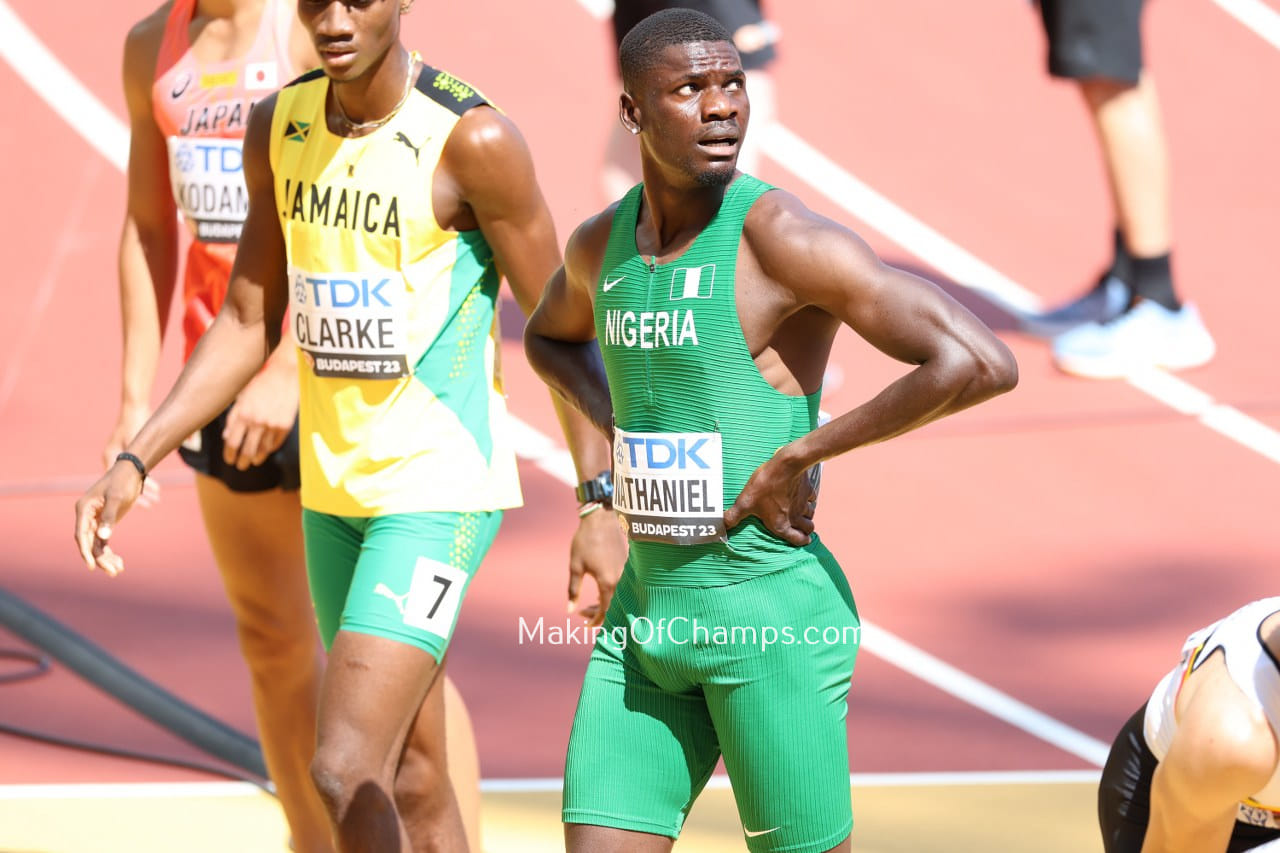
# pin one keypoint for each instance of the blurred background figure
(1132, 318)
(753, 35)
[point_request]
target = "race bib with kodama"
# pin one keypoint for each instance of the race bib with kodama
(208, 185)
(669, 486)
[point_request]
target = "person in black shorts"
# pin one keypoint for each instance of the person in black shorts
(204, 452)
(1132, 318)
(1197, 768)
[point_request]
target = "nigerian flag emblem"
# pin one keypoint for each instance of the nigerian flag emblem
(693, 282)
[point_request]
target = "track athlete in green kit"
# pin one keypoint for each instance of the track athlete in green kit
(692, 322)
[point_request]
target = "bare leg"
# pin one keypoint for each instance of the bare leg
(463, 763)
(433, 743)
(256, 540)
(1130, 132)
(374, 690)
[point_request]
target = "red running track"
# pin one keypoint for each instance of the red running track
(1056, 544)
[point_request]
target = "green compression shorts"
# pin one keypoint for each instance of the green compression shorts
(396, 576)
(757, 671)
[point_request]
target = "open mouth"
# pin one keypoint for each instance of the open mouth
(724, 145)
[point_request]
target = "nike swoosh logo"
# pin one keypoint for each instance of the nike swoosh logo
(608, 285)
(751, 834)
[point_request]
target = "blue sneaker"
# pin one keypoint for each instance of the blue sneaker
(1106, 301)
(1147, 335)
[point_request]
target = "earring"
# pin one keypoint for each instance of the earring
(634, 130)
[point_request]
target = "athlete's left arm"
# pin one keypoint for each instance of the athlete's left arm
(226, 358)
(488, 160)
(816, 263)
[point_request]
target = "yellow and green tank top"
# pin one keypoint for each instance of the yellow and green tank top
(401, 406)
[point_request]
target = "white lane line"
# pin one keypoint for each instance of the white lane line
(175, 790)
(61, 89)
(1255, 15)
(965, 687)
(536, 447)
(856, 780)
(828, 178)
(1223, 419)
(129, 791)
(598, 9)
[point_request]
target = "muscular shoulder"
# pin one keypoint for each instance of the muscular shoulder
(779, 221)
(481, 138)
(1222, 737)
(142, 46)
(584, 253)
(487, 161)
(786, 236)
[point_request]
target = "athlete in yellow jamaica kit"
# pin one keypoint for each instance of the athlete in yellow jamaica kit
(384, 199)
(192, 71)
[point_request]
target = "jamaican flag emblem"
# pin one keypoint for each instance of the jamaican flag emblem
(296, 131)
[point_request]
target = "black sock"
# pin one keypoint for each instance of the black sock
(1153, 279)
(1121, 261)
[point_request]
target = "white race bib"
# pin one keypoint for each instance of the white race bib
(352, 325)
(207, 175)
(1258, 816)
(669, 486)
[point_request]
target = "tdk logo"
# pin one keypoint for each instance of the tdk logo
(193, 156)
(659, 453)
(346, 292)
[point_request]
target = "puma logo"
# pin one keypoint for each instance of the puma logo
(416, 149)
(385, 591)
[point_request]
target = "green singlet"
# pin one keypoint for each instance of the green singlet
(717, 643)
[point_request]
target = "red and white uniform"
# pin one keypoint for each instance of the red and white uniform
(202, 110)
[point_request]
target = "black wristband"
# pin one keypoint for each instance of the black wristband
(135, 461)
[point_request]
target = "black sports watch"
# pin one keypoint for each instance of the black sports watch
(598, 488)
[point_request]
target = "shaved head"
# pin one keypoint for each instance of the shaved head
(644, 44)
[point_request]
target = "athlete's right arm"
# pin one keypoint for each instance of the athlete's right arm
(560, 338)
(227, 357)
(148, 253)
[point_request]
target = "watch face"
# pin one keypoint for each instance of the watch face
(597, 489)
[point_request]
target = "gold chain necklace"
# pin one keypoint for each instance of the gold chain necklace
(373, 124)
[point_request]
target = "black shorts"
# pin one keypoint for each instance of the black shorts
(1094, 38)
(1124, 796)
(281, 470)
(734, 14)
